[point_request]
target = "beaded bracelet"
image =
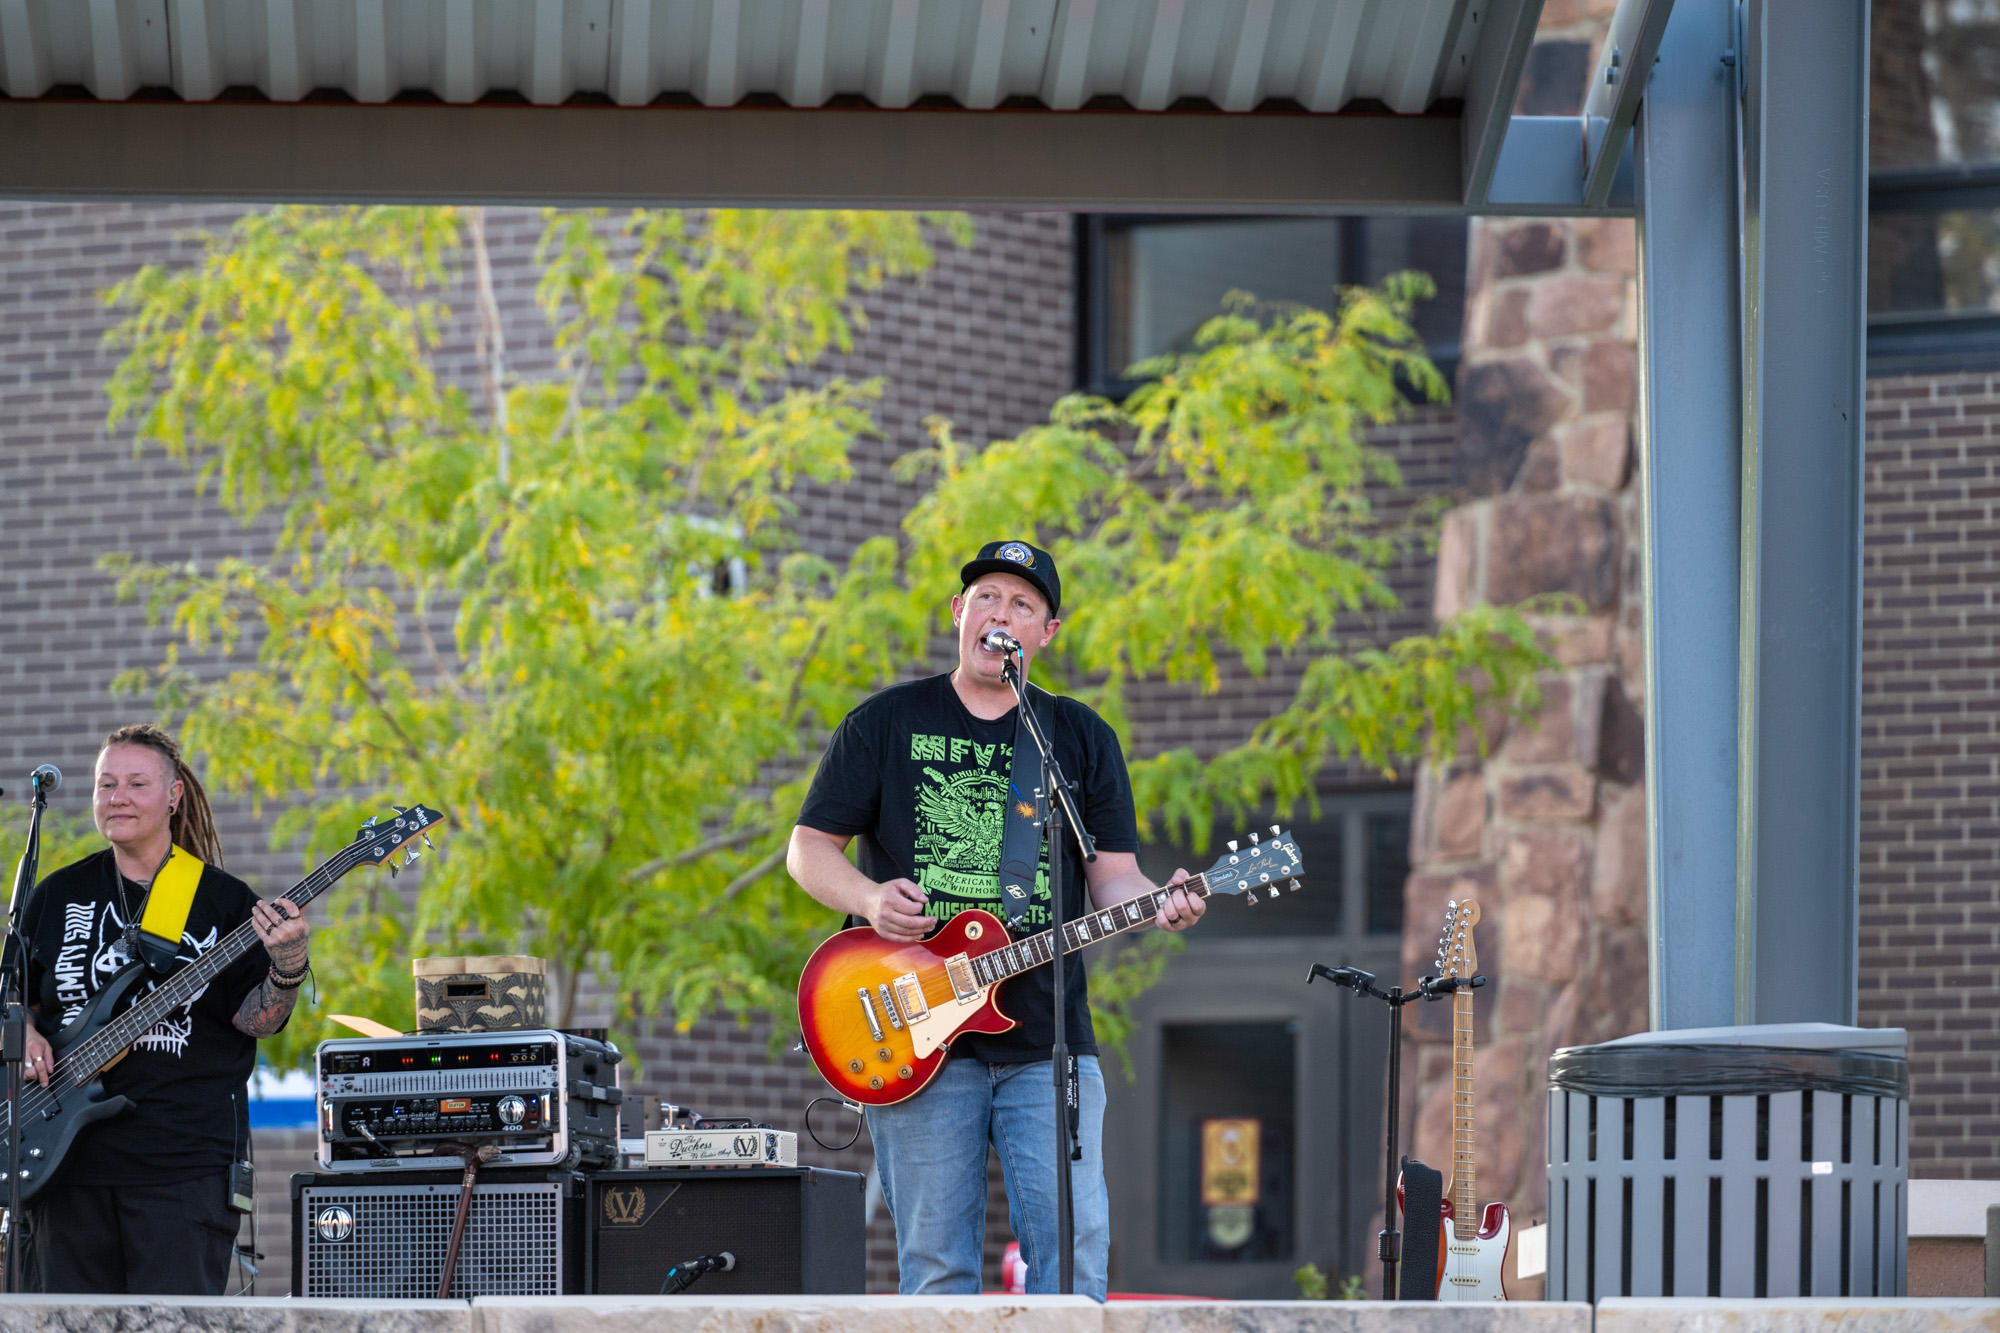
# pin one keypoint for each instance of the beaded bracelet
(295, 980)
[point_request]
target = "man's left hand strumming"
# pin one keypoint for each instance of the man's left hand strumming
(281, 925)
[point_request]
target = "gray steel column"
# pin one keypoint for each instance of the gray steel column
(1689, 432)
(1805, 205)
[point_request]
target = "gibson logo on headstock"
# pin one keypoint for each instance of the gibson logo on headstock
(624, 1208)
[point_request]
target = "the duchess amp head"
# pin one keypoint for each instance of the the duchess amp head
(543, 1098)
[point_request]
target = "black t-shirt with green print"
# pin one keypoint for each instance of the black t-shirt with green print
(923, 785)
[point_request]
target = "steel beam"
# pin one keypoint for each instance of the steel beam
(1610, 103)
(1689, 429)
(744, 156)
(1805, 213)
(1498, 57)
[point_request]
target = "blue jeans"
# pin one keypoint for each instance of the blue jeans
(931, 1154)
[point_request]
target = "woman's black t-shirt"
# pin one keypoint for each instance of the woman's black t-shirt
(186, 1077)
(922, 783)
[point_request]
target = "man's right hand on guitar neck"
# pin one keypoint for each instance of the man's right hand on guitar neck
(40, 1060)
(818, 861)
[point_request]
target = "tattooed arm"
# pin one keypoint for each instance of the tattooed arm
(281, 925)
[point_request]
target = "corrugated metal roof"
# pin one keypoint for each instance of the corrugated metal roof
(1235, 54)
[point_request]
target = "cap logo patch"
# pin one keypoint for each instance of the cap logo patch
(1016, 552)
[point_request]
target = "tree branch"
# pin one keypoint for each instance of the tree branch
(745, 880)
(720, 843)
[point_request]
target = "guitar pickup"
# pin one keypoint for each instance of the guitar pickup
(868, 1012)
(959, 968)
(889, 1006)
(910, 997)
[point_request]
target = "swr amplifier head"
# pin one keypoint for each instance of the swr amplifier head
(542, 1097)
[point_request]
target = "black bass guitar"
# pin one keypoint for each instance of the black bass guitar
(124, 1011)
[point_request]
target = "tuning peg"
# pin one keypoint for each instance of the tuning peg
(1252, 895)
(393, 867)
(428, 843)
(1293, 886)
(411, 857)
(1253, 838)
(1232, 844)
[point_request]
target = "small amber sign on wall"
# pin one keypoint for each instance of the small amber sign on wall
(1229, 1162)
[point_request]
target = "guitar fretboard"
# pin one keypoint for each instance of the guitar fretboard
(1464, 1191)
(992, 968)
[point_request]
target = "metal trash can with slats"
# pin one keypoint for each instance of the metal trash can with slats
(1742, 1161)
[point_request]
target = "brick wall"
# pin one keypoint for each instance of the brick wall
(1930, 759)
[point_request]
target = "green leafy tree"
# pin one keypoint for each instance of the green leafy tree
(571, 612)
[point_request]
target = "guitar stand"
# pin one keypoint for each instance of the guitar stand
(1389, 1243)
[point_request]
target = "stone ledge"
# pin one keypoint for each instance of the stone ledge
(1346, 1317)
(694, 1313)
(229, 1314)
(1828, 1314)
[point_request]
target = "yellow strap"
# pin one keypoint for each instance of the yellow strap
(172, 898)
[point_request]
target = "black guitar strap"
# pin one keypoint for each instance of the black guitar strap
(1021, 834)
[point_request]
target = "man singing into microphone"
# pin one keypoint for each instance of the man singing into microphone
(920, 773)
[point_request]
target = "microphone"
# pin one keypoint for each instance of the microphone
(46, 778)
(682, 1276)
(1000, 641)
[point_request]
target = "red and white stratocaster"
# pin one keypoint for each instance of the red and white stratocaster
(1473, 1245)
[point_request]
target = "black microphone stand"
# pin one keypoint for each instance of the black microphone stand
(1389, 1242)
(13, 1032)
(1054, 814)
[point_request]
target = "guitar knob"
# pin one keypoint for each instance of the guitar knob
(883, 1055)
(853, 1066)
(27, 1174)
(875, 1082)
(35, 1153)
(906, 1072)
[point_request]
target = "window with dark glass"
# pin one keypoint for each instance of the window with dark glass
(1934, 190)
(1147, 284)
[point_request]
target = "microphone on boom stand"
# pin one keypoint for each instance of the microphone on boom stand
(13, 1033)
(1000, 641)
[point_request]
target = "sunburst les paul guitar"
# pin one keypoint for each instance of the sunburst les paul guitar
(1472, 1245)
(124, 1011)
(879, 1015)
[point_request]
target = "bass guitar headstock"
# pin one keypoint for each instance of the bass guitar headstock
(379, 840)
(1262, 865)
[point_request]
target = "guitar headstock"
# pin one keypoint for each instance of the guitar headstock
(1261, 865)
(1456, 955)
(380, 840)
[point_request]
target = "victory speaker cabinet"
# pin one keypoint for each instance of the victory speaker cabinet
(795, 1231)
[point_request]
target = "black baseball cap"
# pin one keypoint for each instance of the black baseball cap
(1021, 560)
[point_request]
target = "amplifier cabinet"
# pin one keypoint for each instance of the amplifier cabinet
(794, 1231)
(384, 1236)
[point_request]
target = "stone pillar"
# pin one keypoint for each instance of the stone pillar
(1548, 830)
